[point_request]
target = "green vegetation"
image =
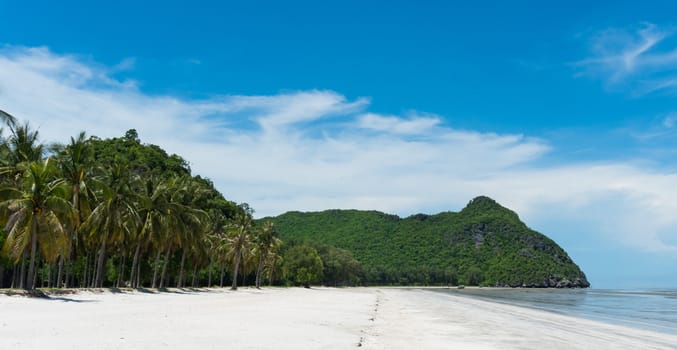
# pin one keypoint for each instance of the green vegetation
(340, 268)
(116, 212)
(303, 265)
(484, 244)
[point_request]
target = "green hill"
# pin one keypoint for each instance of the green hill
(484, 244)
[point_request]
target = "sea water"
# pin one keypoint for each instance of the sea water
(650, 309)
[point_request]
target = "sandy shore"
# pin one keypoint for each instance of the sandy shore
(297, 318)
(408, 319)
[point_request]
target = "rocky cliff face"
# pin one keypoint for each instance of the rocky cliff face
(522, 257)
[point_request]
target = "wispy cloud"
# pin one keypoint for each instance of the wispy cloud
(274, 112)
(670, 120)
(415, 124)
(124, 65)
(644, 59)
(313, 150)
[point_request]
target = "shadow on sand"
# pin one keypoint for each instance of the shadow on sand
(61, 294)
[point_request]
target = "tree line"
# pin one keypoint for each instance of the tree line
(119, 213)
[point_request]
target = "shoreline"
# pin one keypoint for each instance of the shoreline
(299, 318)
(430, 320)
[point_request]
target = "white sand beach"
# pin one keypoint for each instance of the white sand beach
(297, 318)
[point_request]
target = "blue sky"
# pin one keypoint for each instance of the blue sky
(566, 114)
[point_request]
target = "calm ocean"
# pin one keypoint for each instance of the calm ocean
(651, 309)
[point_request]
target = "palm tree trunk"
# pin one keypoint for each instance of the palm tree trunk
(50, 276)
(24, 275)
(98, 279)
(15, 276)
(209, 273)
(236, 269)
(53, 271)
(138, 275)
(121, 269)
(60, 273)
(135, 260)
(67, 273)
(2, 276)
(92, 268)
(70, 260)
(34, 248)
(35, 278)
(192, 284)
(83, 283)
(179, 283)
(54, 274)
(44, 281)
(272, 270)
(156, 268)
(92, 271)
(164, 268)
(223, 270)
(259, 269)
(243, 272)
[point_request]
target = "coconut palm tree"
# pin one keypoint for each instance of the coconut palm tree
(172, 226)
(274, 260)
(16, 153)
(153, 206)
(19, 149)
(239, 238)
(76, 161)
(7, 118)
(193, 221)
(77, 166)
(9, 121)
(264, 241)
(23, 144)
(37, 211)
(216, 244)
(115, 217)
(183, 221)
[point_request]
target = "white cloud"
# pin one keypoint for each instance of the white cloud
(394, 124)
(621, 203)
(313, 150)
(644, 59)
(274, 112)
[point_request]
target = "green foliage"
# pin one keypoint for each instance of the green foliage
(5, 261)
(151, 161)
(132, 135)
(340, 267)
(303, 265)
(107, 212)
(473, 276)
(143, 159)
(484, 244)
(450, 276)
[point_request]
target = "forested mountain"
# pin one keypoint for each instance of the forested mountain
(484, 244)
